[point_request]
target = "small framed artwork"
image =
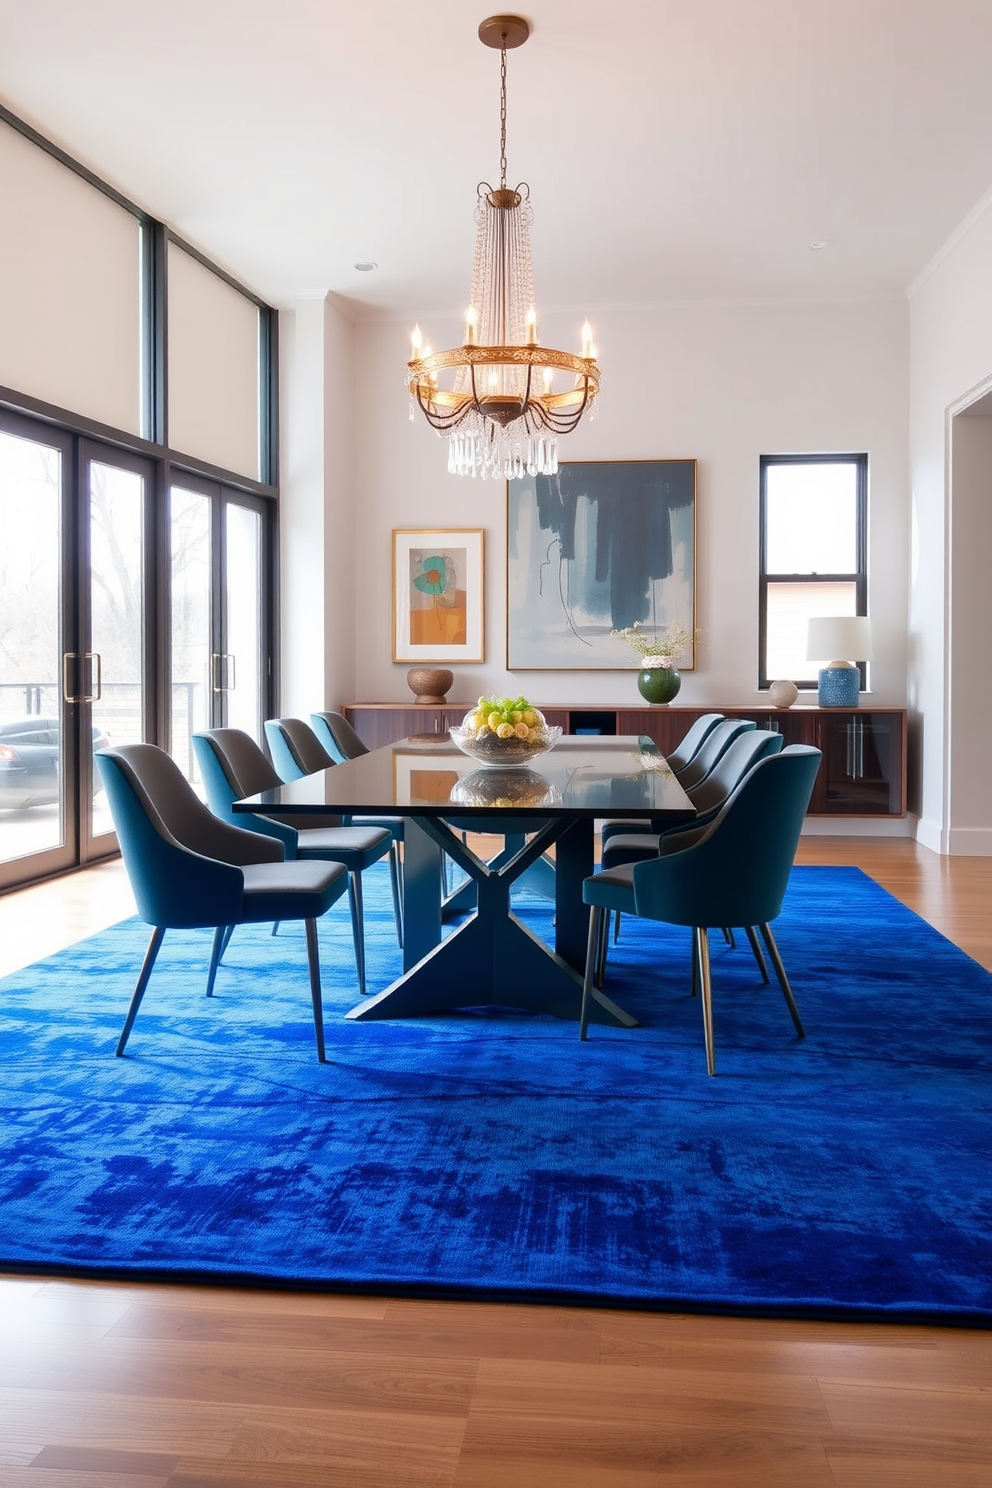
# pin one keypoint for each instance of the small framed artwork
(597, 548)
(438, 594)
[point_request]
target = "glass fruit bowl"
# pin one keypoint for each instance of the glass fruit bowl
(504, 732)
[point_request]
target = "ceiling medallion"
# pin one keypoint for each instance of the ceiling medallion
(501, 398)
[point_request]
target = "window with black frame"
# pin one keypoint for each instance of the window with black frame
(813, 535)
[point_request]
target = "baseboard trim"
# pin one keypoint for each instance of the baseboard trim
(970, 842)
(930, 835)
(858, 826)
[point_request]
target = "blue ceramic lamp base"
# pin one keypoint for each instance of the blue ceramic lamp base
(839, 687)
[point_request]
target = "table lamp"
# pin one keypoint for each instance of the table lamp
(847, 637)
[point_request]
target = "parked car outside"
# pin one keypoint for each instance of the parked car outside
(29, 761)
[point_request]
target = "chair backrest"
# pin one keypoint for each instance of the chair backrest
(728, 772)
(232, 761)
(295, 749)
(693, 739)
(337, 736)
(233, 766)
(175, 884)
(737, 871)
(713, 747)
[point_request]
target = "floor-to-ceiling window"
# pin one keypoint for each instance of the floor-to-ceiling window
(137, 500)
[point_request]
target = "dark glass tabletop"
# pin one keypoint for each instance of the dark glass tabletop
(580, 777)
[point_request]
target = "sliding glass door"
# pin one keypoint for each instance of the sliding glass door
(219, 614)
(123, 617)
(118, 620)
(74, 622)
(37, 823)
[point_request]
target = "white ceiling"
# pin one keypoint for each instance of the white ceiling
(675, 149)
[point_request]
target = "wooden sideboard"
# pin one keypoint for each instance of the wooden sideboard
(864, 749)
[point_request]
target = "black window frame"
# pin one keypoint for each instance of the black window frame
(859, 576)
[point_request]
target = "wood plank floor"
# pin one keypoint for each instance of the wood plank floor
(111, 1386)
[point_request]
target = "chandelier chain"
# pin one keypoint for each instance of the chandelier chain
(502, 115)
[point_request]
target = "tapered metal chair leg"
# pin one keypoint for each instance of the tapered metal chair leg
(158, 935)
(357, 926)
(602, 948)
(783, 980)
(616, 927)
(592, 957)
(394, 885)
(706, 989)
(222, 935)
(759, 954)
(728, 936)
(313, 962)
(275, 927)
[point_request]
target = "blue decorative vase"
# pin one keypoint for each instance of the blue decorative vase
(658, 684)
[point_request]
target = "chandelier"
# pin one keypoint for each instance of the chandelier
(501, 398)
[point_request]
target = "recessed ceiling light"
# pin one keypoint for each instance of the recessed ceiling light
(818, 244)
(365, 266)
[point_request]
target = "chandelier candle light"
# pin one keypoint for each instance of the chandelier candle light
(501, 410)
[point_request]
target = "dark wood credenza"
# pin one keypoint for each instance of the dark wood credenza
(864, 749)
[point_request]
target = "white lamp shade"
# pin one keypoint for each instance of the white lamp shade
(839, 638)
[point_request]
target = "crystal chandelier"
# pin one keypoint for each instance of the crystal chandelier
(502, 399)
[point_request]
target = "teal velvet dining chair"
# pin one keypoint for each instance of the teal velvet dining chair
(233, 766)
(189, 870)
(335, 735)
(688, 747)
(708, 798)
(732, 872)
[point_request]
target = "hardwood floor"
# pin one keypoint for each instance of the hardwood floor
(111, 1386)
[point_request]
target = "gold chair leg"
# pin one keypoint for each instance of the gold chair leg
(158, 935)
(705, 987)
(755, 944)
(603, 948)
(592, 959)
(357, 926)
(783, 980)
(313, 963)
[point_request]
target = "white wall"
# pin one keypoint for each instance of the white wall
(723, 384)
(950, 361)
(316, 508)
(970, 613)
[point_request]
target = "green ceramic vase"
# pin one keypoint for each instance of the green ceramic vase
(658, 684)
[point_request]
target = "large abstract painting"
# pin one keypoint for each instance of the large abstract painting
(594, 549)
(438, 600)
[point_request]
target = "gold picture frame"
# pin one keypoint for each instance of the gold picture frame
(439, 594)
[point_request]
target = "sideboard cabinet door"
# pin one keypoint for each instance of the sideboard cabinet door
(862, 772)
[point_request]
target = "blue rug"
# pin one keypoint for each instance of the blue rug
(493, 1155)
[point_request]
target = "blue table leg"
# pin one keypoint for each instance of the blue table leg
(421, 894)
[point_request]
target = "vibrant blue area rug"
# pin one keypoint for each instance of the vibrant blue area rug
(494, 1155)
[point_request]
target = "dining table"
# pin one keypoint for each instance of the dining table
(545, 810)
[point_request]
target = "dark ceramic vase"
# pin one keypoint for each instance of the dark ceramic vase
(658, 684)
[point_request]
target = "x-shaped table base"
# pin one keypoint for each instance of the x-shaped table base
(493, 959)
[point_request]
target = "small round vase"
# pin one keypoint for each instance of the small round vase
(429, 683)
(783, 694)
(658, 684)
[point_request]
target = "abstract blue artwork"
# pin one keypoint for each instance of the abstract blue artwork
(593, 549)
